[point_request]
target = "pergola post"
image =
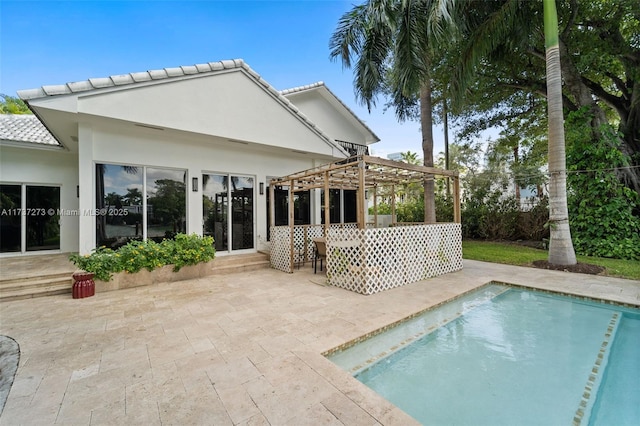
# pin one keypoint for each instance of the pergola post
(291, 225)
(375, 205)
(272, 206)
(457, 215)
(393, 204)
(327, 213)
(360, 193)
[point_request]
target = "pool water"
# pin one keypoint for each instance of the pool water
(508, 356)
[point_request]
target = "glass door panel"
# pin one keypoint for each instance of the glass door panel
(43, 222)
(10, 218)
(242, 214)
(215, 206)
(350, 207)
(35, 216)
(119, 193)
(334, 205)
(166, 203)
(280, 208)
(227, 210)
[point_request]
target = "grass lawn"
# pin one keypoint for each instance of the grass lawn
(514, 254)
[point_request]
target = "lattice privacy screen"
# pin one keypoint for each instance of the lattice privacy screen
(303, 246)
(280, 251)
(371, 260)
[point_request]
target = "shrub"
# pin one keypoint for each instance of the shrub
(488, 214)
(444, 208)
(532, 223)
(181, 251)
(601, 208)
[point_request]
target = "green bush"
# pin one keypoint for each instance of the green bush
(601, 208)
(488, 214)
(181, 251)
(532, 223)
(444, 208)
(412, 209)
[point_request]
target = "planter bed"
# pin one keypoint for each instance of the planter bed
(163, 274)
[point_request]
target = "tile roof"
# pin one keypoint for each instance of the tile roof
(131, 78)
(320, 84)
(168, 73)
(25, 128)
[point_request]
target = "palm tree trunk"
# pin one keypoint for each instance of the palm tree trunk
(561, 250)
(426, 124)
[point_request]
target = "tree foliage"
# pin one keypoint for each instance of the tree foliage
(601, 208)
(13, 105)
(501, 73)
(391, 46)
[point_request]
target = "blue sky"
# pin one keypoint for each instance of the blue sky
(286, 42)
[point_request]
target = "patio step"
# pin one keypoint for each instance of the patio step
(240, 263)
(62, 282)
(36, 286)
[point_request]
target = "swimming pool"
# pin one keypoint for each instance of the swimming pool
(505, 355)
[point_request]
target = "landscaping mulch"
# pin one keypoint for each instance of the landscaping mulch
(581, 268)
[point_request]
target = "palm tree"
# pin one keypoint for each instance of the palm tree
(492, 29)
(392, 43)
(561, 250)
(410, 157)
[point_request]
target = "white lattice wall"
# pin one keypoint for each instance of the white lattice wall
(371, 260)
(377, 259)
(280, 250)
(303, 246)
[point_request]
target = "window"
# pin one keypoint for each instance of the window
(137, 202)
(342, 206)
(301, 208)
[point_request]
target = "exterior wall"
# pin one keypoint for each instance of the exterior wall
(47, 167)
(227, 123)
(321, 112)
(228, 105)
(123, 143)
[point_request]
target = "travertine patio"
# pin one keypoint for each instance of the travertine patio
(226, 350)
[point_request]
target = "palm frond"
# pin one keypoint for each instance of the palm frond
(372, 65)
(349, 36)
(490, 23)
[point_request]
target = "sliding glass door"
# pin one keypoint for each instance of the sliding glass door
(138, 202)
(29, 218)
(228, 210)
(10, 220)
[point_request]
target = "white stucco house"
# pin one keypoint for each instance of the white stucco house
(148, 154)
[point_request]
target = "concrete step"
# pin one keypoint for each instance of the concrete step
(36, 286)
(240, 263)
(62, 282)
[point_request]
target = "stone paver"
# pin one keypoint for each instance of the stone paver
(240, 349)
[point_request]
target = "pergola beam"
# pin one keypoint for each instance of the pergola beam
(361, 173)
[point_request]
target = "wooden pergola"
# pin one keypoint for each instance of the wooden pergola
(359, 257)
(361, 173)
